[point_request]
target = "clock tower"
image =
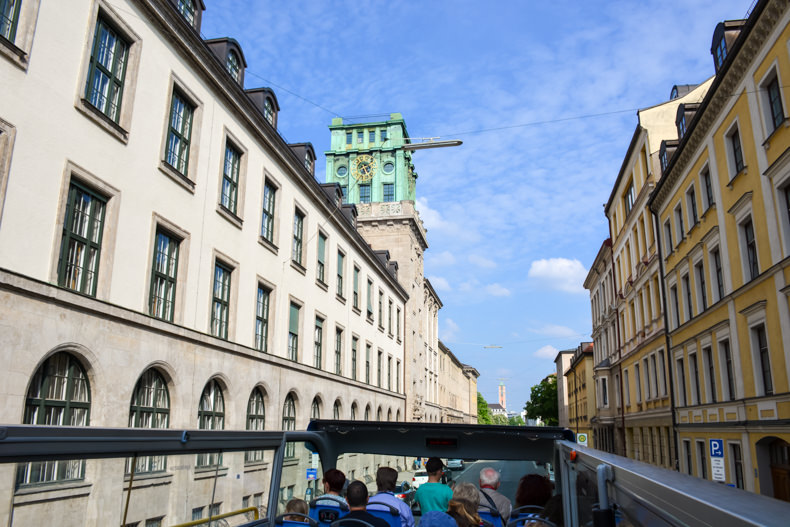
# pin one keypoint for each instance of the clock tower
(369, 163)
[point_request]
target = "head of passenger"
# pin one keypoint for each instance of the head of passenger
(467, 492)
(489, 478)
(334, 481)
(434, 467)
(357, 495)
(463, 507)
(296, 505)
(533, 489)
(386, 478)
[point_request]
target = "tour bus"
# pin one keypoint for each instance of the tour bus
(153, 477)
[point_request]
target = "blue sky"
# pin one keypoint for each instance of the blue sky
(544, 96)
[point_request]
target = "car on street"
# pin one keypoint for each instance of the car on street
(455, 464)
(405, 493)
(419, 478)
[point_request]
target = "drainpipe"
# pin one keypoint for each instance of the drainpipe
(668, 366)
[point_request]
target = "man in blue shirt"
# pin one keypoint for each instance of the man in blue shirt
(386, 479)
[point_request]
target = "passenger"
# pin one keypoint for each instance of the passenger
(489, 483)
(433, 496)
(552, 511)
(533, 489)
(296, 505)
(386, 478)
(463, 507)
(357, 496)
(333, 486)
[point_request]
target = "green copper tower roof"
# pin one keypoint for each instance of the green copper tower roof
(368, 161)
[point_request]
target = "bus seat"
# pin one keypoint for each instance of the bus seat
(281, 520)
(490, 515)
(386, 512)
(325, 513)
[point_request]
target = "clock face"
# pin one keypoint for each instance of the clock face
(364, 167)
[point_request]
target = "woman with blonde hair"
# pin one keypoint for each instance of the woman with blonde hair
(463, 506)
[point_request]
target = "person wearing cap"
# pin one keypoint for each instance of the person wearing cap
(433, 495)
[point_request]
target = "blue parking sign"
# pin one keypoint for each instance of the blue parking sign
(716, 448)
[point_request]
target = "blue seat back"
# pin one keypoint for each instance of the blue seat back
(325, 513)
(384, 511)
(491, 517)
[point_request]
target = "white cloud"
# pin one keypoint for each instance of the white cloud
(555, 330)
(497, 290)
(441, 259)
(481, 261)
(546, 352)
(448, 330)
(440, 283)
(560, 274)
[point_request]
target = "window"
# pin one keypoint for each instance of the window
(681, 382)
(179, 133)
(340, 269)
(687, 451)
(364, 193)
(233, 65)
(397, 376)
(691, 199)
(638, 382)
(268, 111)
(9, 18)
(262, 319)
(717, 273)
(344, 192)
(163, 277)
(150, 408)
(702, 460)
(80, 249)
(397, 324)
(187, 10)
(267, 223)
(354, 344)
(336, 410)
(628, 198)
(664, 159)
(648, 388)
(389, 318)
(679, 223)
(389, 373)
(737, 464)
(682, 126)
(367, 418)
(753, 268)
(370, 299)
(359, 136)
(761, 340)
(775, 103)
(381, 309)
(230, 178)
(197, 513)
(706, 184)
(211, 416)
(367, 363)
(315, 409)
(108, 62)
(289, 422)
(668, 236)
(321, 256)
(308, 162)
(296, 250)
(708, 357)
(737, 153)
(256, 420)
(726, 358)
(627, 390)
(355, 300)
(687, 293)
(383, 135)
(694, 372)
(349, 138)
(389, 191)
(701, 287)
(318, 343)
(673, 294)
(293, 332)
(720, 53)
(220, 302)
(59, 395)
(338, 351)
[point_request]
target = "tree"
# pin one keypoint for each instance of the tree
(499, 419)
(542, 403)
(483, 415)
(516, 420)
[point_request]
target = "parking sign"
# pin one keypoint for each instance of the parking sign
(717, 471)
(716, 448)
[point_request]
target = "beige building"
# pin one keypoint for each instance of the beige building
(581, 392)
(562, 362)
(457, 388)
(169, 261)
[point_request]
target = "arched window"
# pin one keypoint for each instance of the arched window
(268, 111)
(354, 412)
(336, 410)
(315, 409)
(211, 416)
(150, 408)
(187, 10)
(389, 414)
(59, 395)
(379, 414)
(397, 416)
(367, 413)
(289, 421)
(256, 420)
(233, 65)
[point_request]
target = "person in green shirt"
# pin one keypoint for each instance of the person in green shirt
(433, 495)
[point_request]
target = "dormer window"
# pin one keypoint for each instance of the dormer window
(187, 10)
(308, 163)
(664, 160)
(674, 94)
(720, 52)
(232, 63)
(682, 126)
(268, 111)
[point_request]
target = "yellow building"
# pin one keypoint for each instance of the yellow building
(581, 392)
(639, 366)
(722, 204)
